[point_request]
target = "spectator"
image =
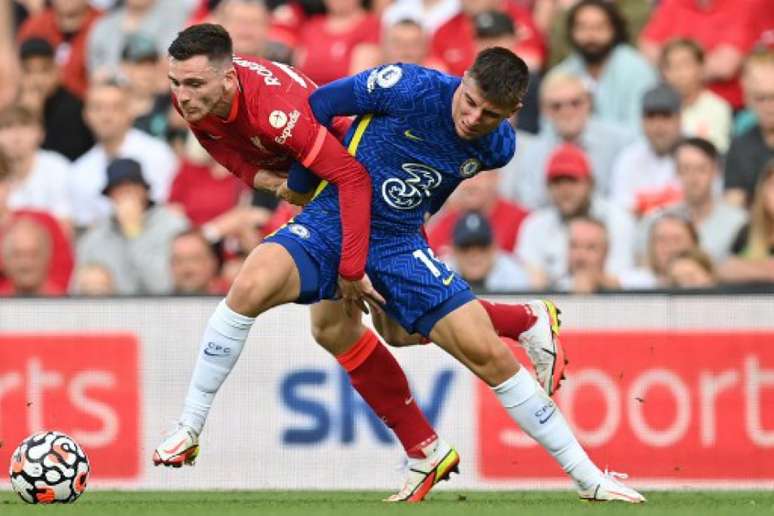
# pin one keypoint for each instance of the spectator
(478, 260)
(247, 21)
(643, 176)
(61, 263)
(406, 42)
(617, 74)
(66, 25)
(42, 92)
(753, 260)
(691, 269)
(724, 28)
(718, 223)
(453, 43)
(566, 106)
(93, 279)
(478, 194)
(202, 188)
(543, 240)
(26, 255)
(429, 14)
(704, 113)
(159, 20)
(751, 150)
(107, 113)
(134, 243)
(339, 43)
(669, 236)
(148, 104)
(40, 179)
(587, 258)
(194, 266)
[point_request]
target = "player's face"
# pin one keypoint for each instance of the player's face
(201, 87)
(473, 115)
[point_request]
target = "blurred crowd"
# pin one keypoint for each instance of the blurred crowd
(645, 154)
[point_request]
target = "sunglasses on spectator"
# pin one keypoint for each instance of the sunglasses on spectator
(558, 105)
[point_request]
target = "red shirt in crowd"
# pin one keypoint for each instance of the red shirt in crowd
(505, 218)
(70, 49)
(326, 56)
(723, 22)
(202, 195)
(61, 265)
(271, 125)
(454, 41)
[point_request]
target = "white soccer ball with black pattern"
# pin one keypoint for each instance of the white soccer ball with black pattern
(49, 467)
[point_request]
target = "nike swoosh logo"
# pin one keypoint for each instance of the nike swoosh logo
(176, 448)
(411, 136)
(542, 421)
(408, 400)
(214, 136)
(210, 354)
(447, 281)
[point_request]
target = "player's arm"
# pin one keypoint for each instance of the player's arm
(315, 148)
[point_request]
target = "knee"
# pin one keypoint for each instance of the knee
(325, 332)
(245, 295)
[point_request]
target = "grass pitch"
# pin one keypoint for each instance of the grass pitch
(337, 503)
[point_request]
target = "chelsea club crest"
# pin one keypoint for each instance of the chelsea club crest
(470, 167)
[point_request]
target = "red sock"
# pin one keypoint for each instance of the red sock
(509, 320)
(379, 379)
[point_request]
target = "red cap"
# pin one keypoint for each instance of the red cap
(568, 160)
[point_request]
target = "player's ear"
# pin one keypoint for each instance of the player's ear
(230, 78)
(516, 110)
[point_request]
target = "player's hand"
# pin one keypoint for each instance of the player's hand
(293, 197)
(360, 294)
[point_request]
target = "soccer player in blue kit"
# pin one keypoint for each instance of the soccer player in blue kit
(419, 133)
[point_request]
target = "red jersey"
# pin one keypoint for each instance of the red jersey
(271, 125)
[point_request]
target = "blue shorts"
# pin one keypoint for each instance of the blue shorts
(419, 289)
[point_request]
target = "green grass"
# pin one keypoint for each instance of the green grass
(324, 503)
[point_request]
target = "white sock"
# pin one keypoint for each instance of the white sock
(540, 418)
(221, 345)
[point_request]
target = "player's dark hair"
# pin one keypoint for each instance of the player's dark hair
(688, 44)
(204, 39)
(501, 75)
(704, 146)
(614, 16)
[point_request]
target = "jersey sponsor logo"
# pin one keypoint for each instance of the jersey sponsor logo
(278, 119)
(299, 230)
(287, 132)
(268, 76)
(408, 133)
(408, 193)
(470, 167)
(386, 77)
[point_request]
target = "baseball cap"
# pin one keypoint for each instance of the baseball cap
(472, 229)
(568, 160)
(139, 48)
(661, 99)
(123, 170)
(493, 24)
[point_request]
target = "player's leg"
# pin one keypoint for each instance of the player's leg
(269, 277)
(535, 325)
(381, 382)
(467, 333)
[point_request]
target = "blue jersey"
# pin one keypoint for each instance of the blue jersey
(404, 136)
(406, 140)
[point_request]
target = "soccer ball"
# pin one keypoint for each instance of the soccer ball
(49, 467)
